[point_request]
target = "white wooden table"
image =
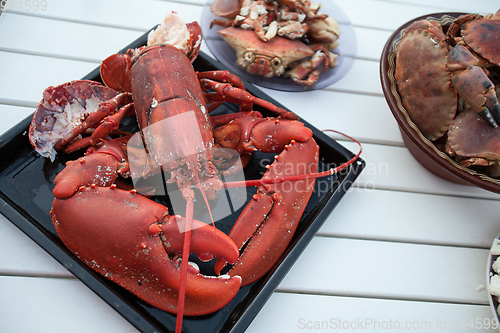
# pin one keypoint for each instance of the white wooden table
(407, 250)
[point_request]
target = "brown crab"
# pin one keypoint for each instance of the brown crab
(447, 85)
(423, 82)
(272, 22)
(432, 66)
(272, 58)
(473, 62)
(473, 142)
(286, 18)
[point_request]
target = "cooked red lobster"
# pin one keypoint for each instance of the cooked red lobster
(133, 240)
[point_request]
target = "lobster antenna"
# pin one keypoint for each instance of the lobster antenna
(206, 203)
(257, 182)
(185, 256)
(184, 264)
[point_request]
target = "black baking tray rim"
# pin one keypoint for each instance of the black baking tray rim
(19, 160)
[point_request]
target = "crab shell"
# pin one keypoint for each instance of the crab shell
(473, 139)
(226, 8)
(423, 81)
(266, 59)
(325, 31)
(483, 36)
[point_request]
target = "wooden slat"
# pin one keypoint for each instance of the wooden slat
(391, 15)
(389, 270)
(61, 39)
(370, 43)
(377, 8)
(415, 218)
(38, 73)
(63, 305)
(366, 118)
(68, 44)
(314, 313)
(444, 221)
(12, 115)
(336, 266)
(351, 82)
(109, 13)
(29, 259)
(375, 14)
(394, 168)
(481, 6)
(56, 306)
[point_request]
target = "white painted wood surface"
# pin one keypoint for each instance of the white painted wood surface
(403, 248)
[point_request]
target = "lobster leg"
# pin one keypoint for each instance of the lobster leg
(222, 76)
(223, 119)
(111, 123)
(226, 92)
(104, 110)
(136, 245)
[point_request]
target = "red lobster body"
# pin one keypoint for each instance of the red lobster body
(166, 90)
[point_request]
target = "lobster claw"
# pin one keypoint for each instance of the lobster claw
(115, 71)
(250, 132)
(268, 223)
(131, 242)
(100, 168)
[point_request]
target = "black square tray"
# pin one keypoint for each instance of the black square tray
(26, 198)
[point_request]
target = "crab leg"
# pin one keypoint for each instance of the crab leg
(473, 85)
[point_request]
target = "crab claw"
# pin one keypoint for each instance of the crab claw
(473, 85)
(325, 31)
(131, 242)
(226, 8)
